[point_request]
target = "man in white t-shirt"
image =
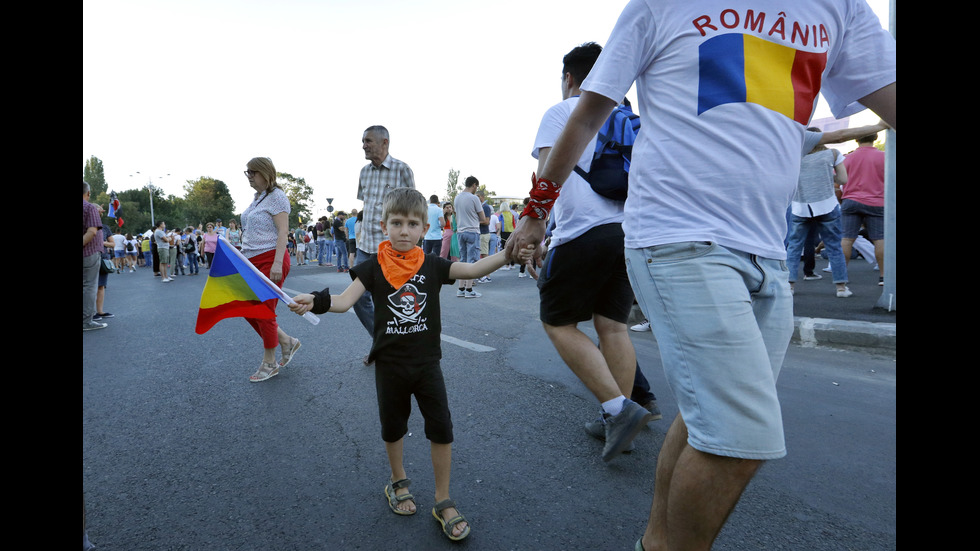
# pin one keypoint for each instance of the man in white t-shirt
(713, 171)
(588, 231)
(118, 249)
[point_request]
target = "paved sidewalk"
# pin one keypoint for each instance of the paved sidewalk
(823, 319)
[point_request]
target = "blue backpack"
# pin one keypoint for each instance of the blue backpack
(609, 174)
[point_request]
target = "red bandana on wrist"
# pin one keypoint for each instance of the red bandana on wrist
(399, 267)
(543, 194)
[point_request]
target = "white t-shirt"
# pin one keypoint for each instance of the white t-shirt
(494, 223)
(578, 208)
(118, 242)
(708, 166)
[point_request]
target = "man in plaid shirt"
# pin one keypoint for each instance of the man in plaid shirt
(383, 173)
(91, 258)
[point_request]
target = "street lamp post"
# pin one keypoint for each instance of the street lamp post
(151, 188)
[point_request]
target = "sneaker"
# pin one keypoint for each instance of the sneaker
(460, 293)
(812, 277)
(622, 428)
(473, 294)
(844, 293)
(645, 326)
(597, 429)
(102, 315)
(881, 282)
(484, 279)
(522, 274)
(651, 406)
(167, 280)
(93, 325)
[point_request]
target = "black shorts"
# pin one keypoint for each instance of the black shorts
(351, 247)
(586, 276)
(396, 383)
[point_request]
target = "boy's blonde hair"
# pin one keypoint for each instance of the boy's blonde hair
(406, 202)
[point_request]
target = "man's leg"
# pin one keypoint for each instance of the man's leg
(694, 493)
(364, 307)
(90, 281)
(587, 363)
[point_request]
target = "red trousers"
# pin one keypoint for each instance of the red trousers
(268, 329)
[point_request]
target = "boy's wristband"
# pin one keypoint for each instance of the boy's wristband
(543, 195)
(321, 301)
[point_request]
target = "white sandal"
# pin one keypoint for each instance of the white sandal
(286, 358)
(266, 371)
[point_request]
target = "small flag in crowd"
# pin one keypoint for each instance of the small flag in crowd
(113, 206)
(237, 289)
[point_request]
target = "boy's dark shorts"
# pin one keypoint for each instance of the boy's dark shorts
(396, 383)
(586, 276)
(351, 247)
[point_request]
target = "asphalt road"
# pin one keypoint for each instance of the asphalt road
(181, 452)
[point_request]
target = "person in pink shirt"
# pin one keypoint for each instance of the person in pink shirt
(863, 199)
(210, 243)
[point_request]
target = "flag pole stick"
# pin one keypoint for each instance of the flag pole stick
(310, 316)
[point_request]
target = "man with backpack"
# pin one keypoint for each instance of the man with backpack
(588, 231)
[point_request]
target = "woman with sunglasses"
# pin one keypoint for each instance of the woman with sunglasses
(265, 231)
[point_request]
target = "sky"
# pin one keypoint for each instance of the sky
(177, 90)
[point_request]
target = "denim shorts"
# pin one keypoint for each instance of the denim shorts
(469, 246)
(723, 319)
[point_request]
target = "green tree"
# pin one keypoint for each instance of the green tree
(487, 194)
(300, 195)
(452, 185)
(205, 199)
(94, 174)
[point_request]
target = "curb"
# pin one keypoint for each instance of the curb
(810, 332)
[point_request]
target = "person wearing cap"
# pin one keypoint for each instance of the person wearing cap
(220, 229)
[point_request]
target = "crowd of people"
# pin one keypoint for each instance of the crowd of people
(700, 244)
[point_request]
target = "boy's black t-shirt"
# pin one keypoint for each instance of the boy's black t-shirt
(407, 321)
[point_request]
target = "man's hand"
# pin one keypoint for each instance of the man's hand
(529, 232)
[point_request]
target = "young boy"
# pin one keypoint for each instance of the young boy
(407, 347)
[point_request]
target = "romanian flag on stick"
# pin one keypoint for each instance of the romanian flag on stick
(237, 289)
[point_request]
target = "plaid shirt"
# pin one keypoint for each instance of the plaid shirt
(372, 187)
(91, 219)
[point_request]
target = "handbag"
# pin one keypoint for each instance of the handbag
(107, 266)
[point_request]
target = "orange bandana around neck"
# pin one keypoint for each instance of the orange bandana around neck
(399, 267)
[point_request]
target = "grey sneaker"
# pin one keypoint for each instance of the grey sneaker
(93, 325)
(651, 406)
(597, 429)
(473, 294)
(622, 428)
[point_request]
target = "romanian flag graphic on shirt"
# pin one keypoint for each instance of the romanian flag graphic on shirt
(234, 288)
(737, 68)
